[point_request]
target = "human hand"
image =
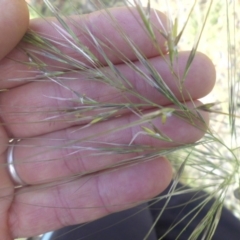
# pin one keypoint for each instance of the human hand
(40, 207)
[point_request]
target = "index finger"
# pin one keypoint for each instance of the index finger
(110, 32)
(13, 24)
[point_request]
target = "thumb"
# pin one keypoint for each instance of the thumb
(14, 20)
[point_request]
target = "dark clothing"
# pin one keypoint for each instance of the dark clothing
(134, 224)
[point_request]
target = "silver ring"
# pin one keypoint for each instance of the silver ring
(11, 168)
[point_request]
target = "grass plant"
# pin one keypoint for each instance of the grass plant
(210, 164)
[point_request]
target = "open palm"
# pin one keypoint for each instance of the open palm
(35, 208)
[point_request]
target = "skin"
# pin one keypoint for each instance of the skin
(79, 201)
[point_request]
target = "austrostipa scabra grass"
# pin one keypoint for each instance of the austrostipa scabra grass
(129, 94)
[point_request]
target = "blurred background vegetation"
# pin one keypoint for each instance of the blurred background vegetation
(220, 41)
(66, 7)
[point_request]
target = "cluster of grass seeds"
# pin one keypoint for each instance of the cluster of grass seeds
(211, 164)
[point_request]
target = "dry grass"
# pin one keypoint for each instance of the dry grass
(220, 41)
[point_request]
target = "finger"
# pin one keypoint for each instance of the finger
(80, 151)
(86, 199)
(13, 24)
(103, 27)
(6, 186)
(39, 108)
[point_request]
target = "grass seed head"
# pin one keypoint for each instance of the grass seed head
(210, 164)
